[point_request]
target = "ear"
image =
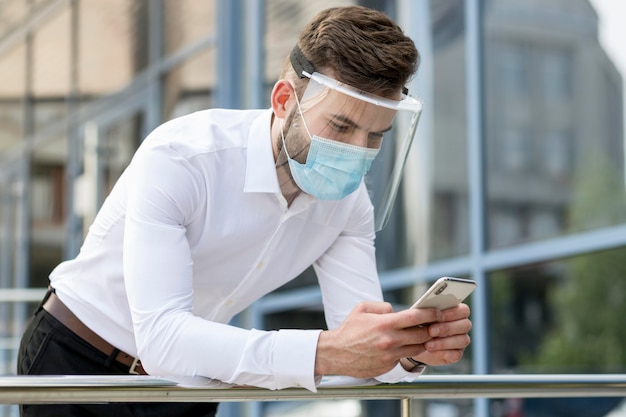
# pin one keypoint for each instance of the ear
(282, 95)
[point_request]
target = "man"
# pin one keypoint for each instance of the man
(220, 207)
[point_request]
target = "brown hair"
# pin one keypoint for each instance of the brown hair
(361, 47)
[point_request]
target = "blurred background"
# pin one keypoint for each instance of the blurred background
(516, 179)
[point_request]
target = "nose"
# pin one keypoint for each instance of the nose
(359, 138)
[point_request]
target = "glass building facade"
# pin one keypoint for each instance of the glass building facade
(516, 180)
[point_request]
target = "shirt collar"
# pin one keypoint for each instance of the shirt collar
(260, 166)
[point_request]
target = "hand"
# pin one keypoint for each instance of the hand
(448, 338)
(373, 338)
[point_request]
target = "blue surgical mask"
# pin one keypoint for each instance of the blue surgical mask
(333, 169)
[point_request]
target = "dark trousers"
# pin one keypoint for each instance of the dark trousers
(50, 348)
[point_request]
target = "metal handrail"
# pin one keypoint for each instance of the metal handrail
(98, 389)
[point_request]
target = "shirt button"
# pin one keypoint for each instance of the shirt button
(259, 265)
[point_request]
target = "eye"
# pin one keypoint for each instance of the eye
(374, 140)
(339, 127)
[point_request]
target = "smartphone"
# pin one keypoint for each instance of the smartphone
(446, 292)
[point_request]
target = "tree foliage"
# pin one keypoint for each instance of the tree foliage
(589, 334)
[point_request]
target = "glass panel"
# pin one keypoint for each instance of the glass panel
(558, 407)
(51, 70)
(186, 22)
(410, 239)
(554, 122)
(104, 69)
(12, 258)
(117, 146)
(396, 244)
(51, 85)
(9, 196)
(11, 13)
(8, 233)
(284, 20)
(107, 151)
(449, 207)
(47, 208)
(367, 408)
(560, 317)
(12, 89)
(189, 87)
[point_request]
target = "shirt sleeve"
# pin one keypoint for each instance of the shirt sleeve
(347, 271)
(158, 265)
(399, 374)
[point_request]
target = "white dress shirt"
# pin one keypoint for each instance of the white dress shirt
(195, 230)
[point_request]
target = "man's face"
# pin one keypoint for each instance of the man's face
(338, 117)
(349, 120)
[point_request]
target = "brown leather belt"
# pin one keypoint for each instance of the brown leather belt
(59, 311)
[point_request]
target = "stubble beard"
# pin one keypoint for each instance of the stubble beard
(298, 151)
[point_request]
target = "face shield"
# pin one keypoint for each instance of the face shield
(337, 130)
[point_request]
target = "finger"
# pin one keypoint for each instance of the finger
(413, 336)
(458, 342)
(441, 357)
(450, 328)
(417, 317)
(413, 351)
(461, 311)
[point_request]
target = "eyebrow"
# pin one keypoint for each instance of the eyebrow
(350, 122)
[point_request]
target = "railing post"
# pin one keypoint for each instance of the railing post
(405, 407)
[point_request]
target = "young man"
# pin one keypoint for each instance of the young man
(220, 207)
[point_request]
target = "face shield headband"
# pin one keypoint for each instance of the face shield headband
(382, 186)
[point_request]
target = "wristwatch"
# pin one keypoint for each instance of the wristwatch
(419, 366)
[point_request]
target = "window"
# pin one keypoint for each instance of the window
(556, 75)
(515, 66)
(556, 153)
(515, 150)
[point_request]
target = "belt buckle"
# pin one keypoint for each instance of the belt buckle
(133, 367)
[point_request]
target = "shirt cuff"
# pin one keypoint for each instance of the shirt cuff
(399, 374)
(294, 358)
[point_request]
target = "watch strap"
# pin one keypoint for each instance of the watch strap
(419, 366)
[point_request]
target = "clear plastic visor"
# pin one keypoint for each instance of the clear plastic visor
(333, 110)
